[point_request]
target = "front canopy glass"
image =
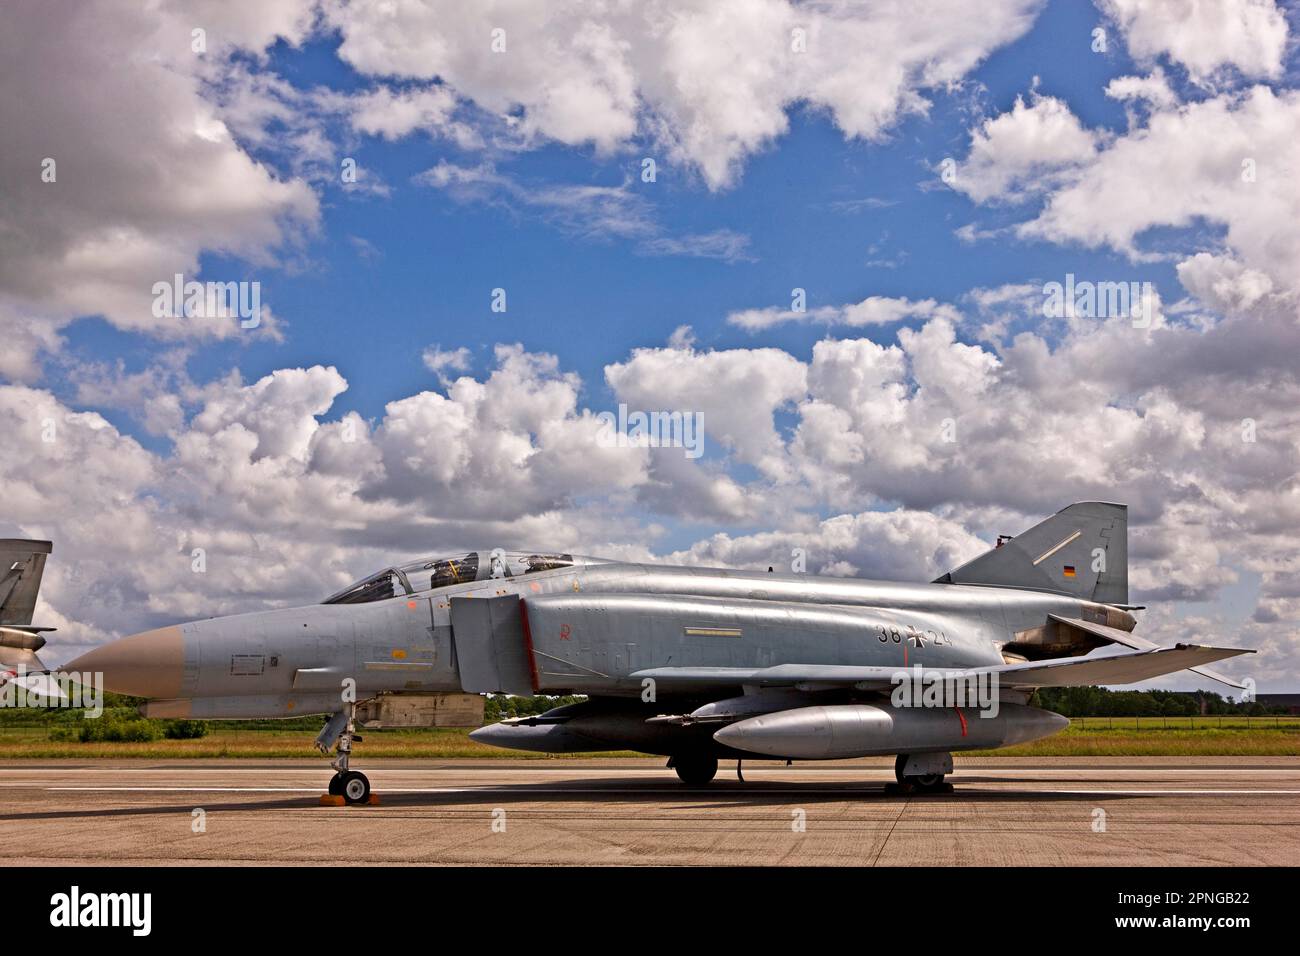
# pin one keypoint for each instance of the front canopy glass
(437, 573)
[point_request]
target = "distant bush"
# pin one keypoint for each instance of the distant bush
(117, 714)
(185, 729)
(118, 730)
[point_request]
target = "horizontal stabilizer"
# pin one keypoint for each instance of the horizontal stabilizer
(1125, 668)
(1124, 638)
(1113, 635)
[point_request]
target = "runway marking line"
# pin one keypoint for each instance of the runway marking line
(582, 771)
(718, 792)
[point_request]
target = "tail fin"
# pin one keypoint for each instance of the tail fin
(1081, 550)
(21, 565)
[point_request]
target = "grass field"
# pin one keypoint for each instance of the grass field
(1204, 742)
(1091, 736)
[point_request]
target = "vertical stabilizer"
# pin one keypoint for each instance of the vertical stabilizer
(21, 565)
(1081, 550)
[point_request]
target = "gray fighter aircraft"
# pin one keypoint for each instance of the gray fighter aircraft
(696, 664)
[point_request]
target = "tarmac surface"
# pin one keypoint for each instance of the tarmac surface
(1145, 811)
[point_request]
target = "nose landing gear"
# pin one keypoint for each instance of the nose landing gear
(352, 785)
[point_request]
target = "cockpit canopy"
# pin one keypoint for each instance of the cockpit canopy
(435, 573)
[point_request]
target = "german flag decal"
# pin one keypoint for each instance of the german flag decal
(1069, 570)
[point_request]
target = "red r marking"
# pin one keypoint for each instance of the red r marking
(961, 717)
(564, 632)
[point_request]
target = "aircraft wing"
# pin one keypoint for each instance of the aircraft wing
(1122, 668)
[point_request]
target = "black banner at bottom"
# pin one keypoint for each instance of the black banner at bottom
(141, 907)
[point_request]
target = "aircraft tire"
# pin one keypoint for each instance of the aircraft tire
(696, 769)
(355, 787)
(922, 783)
(336, 785)
(927, 783)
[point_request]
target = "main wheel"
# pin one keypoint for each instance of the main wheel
(355, 787)
(336, 785)
(924, 782)
(927, 782)
(696, 769)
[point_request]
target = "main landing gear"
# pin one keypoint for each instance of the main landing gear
(351, 785)
(694, 769)
(923, 773)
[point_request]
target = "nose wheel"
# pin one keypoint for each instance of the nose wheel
(352, 785)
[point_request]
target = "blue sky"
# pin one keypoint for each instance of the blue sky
(432, 262)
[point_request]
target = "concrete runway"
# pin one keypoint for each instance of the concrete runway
(1005, 811)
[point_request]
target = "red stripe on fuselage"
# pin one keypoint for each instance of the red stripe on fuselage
(528, 643)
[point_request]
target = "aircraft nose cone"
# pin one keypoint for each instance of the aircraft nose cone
(149, 664)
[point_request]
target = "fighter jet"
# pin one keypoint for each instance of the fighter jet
(696, 664)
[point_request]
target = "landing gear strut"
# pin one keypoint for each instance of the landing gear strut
(695, 769)
(351, 785)
(923, 773)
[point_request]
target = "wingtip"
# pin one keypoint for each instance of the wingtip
(1221, 678)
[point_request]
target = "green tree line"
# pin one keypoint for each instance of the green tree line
(1102, 702)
